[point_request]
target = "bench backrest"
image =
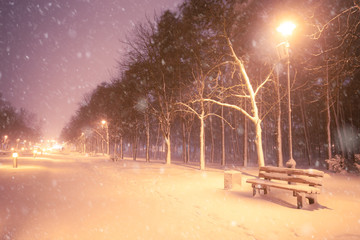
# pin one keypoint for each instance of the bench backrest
(311, 177)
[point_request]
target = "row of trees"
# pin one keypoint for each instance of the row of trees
(207, 77)
(17, 125)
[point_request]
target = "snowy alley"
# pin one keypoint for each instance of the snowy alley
(77, 197)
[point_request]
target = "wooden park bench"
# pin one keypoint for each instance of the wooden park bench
(114, 158)
(304, 183)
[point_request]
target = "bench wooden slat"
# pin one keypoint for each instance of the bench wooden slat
(307, 172)
(292, 178)
(303, 182)
(297, 188)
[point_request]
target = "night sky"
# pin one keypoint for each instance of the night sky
(53, 52)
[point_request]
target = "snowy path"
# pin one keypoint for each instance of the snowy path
(73, 197)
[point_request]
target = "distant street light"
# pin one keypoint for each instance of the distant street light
(286, 30)
(104, 124)
(15, 155)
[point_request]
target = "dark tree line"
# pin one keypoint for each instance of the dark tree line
(17, 125)
(205, 83)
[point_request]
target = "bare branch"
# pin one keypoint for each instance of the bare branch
(231, 106)
(264, 82)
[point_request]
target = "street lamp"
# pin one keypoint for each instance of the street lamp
(104, 124)
(15, 155)
(286, 30)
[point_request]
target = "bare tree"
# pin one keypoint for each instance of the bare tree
(196, 106)
(250, 95)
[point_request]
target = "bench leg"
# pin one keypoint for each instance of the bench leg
(300, 200)
(258, 187)
(312, 198)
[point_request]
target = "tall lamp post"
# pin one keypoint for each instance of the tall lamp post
(104, 124)
(286, 30)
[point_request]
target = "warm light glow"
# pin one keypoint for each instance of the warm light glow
(15, 155)
(57, 147)
(5, 137)
(286, 28)
(103, 122)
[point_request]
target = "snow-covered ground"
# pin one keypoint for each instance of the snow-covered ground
(76, 197)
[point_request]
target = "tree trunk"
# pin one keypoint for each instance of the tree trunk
(121, 148)
(237, 142)
(183, 140)
(115, 147)
(233, 141)
(347, 140)
(222, 137)
(188, 145)
(337, 123)
(202, 140)
(134, 147)
(212, 153)
(157, 144)
(147, 122)
(246, 142)
(258, 142)
(339, 133)
(168, 148)
(102, 147)
(306, 132)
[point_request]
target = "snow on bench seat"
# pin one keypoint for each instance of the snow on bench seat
(305, 183)
(297, 188)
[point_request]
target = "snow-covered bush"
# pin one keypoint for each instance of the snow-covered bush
(357, 161)
(336, 164)
(339, 164)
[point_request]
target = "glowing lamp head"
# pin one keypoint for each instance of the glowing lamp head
(103, 122)
(286, 28)
(15, 155)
